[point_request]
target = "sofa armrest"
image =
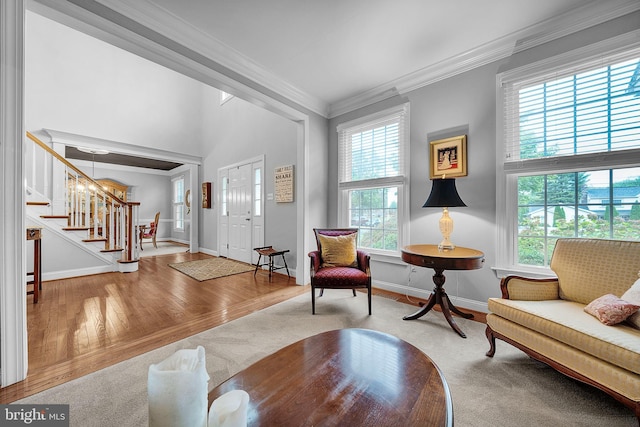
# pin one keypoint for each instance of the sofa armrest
(526, 289)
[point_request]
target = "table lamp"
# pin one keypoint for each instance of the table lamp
(444, 195)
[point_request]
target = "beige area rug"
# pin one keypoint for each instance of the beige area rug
(507, 390)
(211, 268)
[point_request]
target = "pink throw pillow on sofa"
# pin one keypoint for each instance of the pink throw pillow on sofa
(633, 296)
(611, 310)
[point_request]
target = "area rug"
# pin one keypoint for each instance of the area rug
(509, 389)
(211, 268)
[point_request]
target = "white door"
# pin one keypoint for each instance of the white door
(240, 213)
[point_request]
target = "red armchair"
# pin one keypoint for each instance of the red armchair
(330, 276)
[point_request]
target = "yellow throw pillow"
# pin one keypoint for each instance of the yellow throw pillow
(339, 251)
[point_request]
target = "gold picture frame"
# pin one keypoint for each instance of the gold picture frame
(448, 157)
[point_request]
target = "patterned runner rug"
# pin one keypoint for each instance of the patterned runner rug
(212, 268)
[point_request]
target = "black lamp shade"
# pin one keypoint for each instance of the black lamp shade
(443, 194)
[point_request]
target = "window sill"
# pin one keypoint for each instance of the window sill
(386, 257)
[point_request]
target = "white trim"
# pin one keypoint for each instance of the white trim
(619, 45)
(121, 147)
(13, 270)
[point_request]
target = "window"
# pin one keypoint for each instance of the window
(373, 175)
(571, 157)
(178, 203)
(224, 97)
(224, 196)
(257, 192)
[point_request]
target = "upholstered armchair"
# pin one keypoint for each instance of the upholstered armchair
(338, 264)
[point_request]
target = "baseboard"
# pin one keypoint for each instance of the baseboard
(67, 274)
(470, 304)
(208, 251)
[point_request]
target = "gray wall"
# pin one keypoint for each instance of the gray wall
(237, 131)
(466, 101)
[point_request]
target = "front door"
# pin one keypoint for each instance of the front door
(240, 203)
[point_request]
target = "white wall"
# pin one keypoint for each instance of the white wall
(78, 84)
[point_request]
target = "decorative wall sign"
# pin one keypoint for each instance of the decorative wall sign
(284, 184)
(448, 157)
(206, 195)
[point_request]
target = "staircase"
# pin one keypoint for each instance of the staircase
(80, 216)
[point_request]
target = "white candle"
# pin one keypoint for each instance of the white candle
(177, 390)
(229, 410)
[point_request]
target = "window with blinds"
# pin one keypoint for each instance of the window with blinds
(372, 175)
(178, 203)
(572, 155)
(591, 109)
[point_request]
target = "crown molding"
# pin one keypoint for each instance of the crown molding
(76, 140)
(585, 16)
(180, 31)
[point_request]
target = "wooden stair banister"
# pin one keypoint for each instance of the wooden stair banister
(90, 207)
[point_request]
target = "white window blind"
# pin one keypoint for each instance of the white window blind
(576, 111)
(372, 150)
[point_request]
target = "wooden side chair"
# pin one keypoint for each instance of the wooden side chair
(338, 264)
(151, 232)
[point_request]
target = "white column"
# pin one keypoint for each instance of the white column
(13, 320)
(194, 217)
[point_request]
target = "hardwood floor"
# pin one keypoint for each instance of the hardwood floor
(84, 324)
(81, 325)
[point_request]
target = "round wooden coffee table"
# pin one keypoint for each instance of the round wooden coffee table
(346, 377)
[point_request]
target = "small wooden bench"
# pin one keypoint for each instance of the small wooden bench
(269, 252)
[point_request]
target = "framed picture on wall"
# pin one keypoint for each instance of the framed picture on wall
(448, 157)
(206, 195)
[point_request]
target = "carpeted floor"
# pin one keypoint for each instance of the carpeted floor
(509, 389)
(211, 268)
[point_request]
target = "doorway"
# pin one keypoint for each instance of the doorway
(241, 213)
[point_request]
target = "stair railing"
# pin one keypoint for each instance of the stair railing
(90, 207)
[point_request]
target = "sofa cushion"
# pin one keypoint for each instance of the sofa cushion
(567, 322)
(611, 376)
(633, 295)
(610, 310)
(590, 268)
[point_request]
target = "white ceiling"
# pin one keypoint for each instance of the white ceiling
(334, 50)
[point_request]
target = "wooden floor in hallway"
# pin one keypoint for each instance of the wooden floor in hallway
(84, 324)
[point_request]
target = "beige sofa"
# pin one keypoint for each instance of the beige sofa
(545, 318)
